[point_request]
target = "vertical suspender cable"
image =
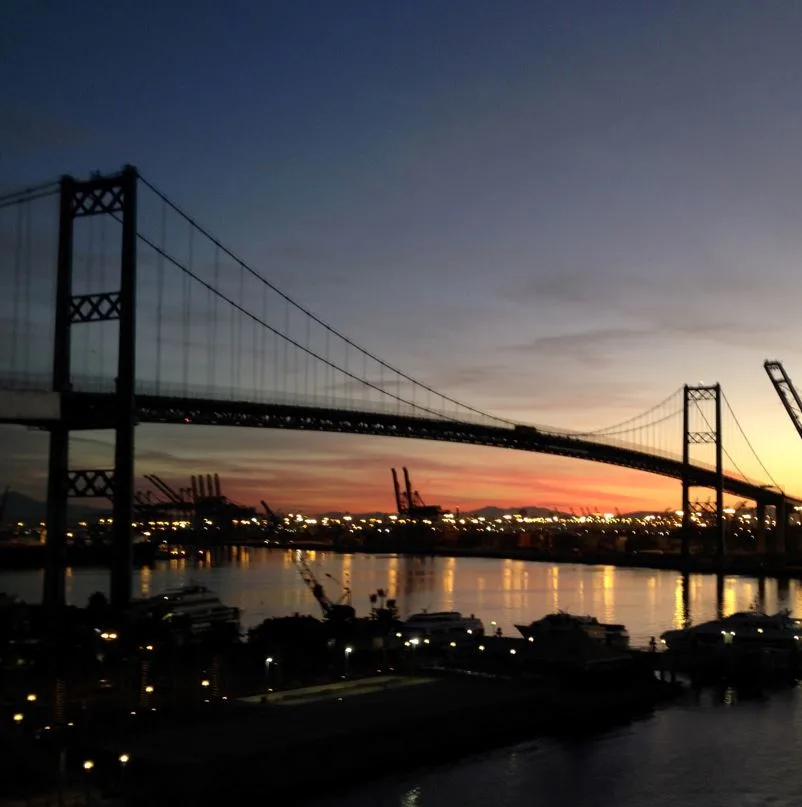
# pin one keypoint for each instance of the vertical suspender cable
(160, 296)
(190, 335)
(285, 361)
(365, 373)
(15, 328)
(28, 330)
(345, 379)
(255, 363)
(239, 326)
(328, 375)
(233, 351)
(185, 324)
(306, 358)
(209, 341)
(263, 352)
(213, 355)
(275, 377)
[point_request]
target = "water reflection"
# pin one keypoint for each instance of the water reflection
(265, 582)
(784, 592)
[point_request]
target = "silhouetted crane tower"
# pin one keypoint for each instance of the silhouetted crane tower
(409, 502)
(787, 392)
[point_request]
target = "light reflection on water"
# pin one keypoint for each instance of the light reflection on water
(265, 582)
(710, 751)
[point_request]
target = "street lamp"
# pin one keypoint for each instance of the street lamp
(31, 697)
(347, 652)
(268, 662)
(88, 765)
(123, 760)
(19, 717)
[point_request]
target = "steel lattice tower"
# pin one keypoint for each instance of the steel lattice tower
(114, 195)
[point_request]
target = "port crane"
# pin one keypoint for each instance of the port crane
(340, 611)
(275, 521)
(409, 502)
(787, 392)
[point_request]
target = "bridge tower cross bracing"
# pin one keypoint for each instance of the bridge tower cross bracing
(692, 397)
(114, 195)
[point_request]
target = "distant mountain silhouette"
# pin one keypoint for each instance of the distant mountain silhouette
(20, 507)
(25, 508)
(489, 512)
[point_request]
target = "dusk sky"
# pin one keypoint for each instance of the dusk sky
(558, 212)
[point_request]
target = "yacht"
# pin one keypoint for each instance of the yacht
(440, 627)
(193, 607)
(742, 628)
(563, 625)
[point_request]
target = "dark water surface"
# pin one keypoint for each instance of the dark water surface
(714, 749)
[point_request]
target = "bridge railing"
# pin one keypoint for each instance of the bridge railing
(103, 385)
(617, 442)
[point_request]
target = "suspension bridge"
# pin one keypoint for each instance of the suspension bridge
(202, 337)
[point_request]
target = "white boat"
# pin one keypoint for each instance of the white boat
(194, 608)
(753, 628)
(561, 625)
(441, 627)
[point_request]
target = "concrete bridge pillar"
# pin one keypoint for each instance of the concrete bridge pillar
(780, 546)
(760, 528)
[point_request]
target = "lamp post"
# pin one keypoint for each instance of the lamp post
(268, 662)
(346, 654)
(88, 765)
(123, 760)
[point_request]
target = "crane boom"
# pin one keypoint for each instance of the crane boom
(339, 611)
(787, 392)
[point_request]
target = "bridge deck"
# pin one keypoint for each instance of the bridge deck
(92, 410)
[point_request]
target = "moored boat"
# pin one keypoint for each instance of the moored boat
(441, 627)
(562, 625)
(192, 608)
(743, 628)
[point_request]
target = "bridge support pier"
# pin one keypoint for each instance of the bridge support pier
(56, 535)
(784, 539)
(760, 527)
(114, 195)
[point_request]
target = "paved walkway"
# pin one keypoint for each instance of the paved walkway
(338, 690)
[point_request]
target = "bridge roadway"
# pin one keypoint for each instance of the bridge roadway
(84, 410)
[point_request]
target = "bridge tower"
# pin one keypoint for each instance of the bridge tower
(113, 195)
(693, 397)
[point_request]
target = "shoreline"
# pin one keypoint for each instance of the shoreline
(16, 558)
(740, 565)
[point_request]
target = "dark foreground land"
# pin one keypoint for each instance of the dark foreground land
(296, 748)
(303, 740)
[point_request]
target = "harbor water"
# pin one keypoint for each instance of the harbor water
(712, 748)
